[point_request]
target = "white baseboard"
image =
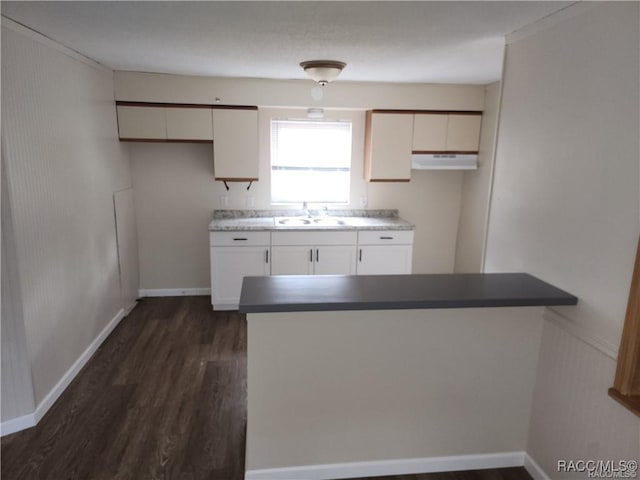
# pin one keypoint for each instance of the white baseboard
(225, 306)
(405, 466)
(16, 424)
(30, 420)
(534, 469)
(126, 310)
(173, 292)
(48, 401)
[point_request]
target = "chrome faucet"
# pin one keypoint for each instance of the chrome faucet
(305, 209)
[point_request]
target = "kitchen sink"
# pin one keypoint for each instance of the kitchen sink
(308, 222)
(293, 221)
(328, 221)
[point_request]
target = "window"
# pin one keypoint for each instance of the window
(310, 161)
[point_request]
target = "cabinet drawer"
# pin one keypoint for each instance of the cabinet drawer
(314, 238)
(239, 238)
(385, 237)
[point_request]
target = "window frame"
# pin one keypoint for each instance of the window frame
(285, 118)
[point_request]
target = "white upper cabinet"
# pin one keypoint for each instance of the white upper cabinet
(391, 137)
(142, 123)
(463, 133)
(235, 144)
(189, 124)
(388, 145)
(446, 132)
(164, 123)
(430, 132)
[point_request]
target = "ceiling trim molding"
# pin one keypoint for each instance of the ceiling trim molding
(551, 20)
(49, 42)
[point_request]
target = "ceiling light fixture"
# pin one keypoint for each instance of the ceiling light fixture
(323, 71)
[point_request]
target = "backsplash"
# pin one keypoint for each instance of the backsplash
(220, 214)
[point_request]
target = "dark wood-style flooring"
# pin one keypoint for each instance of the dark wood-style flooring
(164, 397)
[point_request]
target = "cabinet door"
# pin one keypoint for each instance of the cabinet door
(335, 260)
(229, 265)
(292, 260)
(235, 144)
(189, 124)
(429, 132)
(147, 123)
(388, 144)
(384, 259)
(463, 133)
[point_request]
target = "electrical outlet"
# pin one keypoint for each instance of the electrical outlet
(224, 200)
(251, 201)
(363, 202)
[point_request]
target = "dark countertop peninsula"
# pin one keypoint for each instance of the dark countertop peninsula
(304, 293)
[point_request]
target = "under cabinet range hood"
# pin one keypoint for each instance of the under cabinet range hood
(444, 161)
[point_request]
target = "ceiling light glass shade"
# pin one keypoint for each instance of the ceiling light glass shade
(323, 71)
(317, 93)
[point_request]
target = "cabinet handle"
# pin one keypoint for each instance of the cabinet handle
(317, 254)
(311, 255)
(360, 256)
(238, 239)
(386, 238)
(266, 256)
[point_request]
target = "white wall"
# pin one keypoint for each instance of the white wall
(175, 195)
(430, 201)
(17, 388)
(367, 386)
(476, 190)
(155, 87)
(63, 163)
(565, 207)
(572, 415)
(565, 199)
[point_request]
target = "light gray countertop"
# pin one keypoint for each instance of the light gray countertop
(267, 220)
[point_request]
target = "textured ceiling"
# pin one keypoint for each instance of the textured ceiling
(433, 42)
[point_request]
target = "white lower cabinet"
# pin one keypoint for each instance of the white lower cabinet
(385, 252)
(239, 254)
(292, 260)
(235, 255)
(314, 253)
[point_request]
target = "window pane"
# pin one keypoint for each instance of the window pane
(310, 161)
